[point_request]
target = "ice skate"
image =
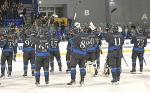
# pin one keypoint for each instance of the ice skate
(72, 82)
(37, 83)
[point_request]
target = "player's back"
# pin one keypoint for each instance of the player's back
(79, 43)
(115, 40)
(139, 41)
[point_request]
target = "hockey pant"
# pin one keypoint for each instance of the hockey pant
(42, 62)
(29, 56)
(81, 62)
(6, 56)
(58, 58)
(140, 56)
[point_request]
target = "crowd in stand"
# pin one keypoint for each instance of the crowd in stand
(10, 10)
(130, 30)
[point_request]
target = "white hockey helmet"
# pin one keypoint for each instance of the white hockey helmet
(77, 24)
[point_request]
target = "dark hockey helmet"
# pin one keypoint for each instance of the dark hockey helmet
(72, 32)
(53, 34)
(33, 33)
(140, 30)
(83, 29)
(89, 30)
(133, 26)
(115, 29)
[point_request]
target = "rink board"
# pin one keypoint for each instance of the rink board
(127, 48)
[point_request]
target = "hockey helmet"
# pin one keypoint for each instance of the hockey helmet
(115, 29)
(77, 25)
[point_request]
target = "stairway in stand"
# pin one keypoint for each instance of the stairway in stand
(30, 10)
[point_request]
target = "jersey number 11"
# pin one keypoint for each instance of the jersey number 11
(117, 41)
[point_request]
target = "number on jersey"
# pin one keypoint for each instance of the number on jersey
(117, 41)
(140, 42)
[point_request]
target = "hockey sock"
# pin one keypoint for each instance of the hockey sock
(73, 74)
(68, 64)
(114, 74)
(52, 65)
(141, 67)
(133, 67)
(59, 64)
(10, 68)
(46, 74)
(98, 63)
(37, 76)
(118, 73)
(25, 68)
(2, 69)
(33, 67)
(82, 73)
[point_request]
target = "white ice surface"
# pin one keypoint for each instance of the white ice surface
(130, 83)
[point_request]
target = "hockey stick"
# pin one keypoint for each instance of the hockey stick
(101, 51)
(113, 10)
(125, 61)
(144, 61)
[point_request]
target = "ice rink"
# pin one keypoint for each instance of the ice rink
(130, 83)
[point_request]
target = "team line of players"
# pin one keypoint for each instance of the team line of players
(40, 47)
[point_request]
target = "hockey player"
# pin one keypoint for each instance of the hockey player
(28, 53)
(78, 56)
(93, 49)
(7, 46)
(68, 54)
(15, 50)
(115, 42)
(54, 51)
(71, 34)
(98, 49)
(41, 41)
(14, 32)
(42, 56)
(139, 41)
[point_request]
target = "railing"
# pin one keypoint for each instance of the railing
(26, 1)
(35, 6)
(17, 22)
